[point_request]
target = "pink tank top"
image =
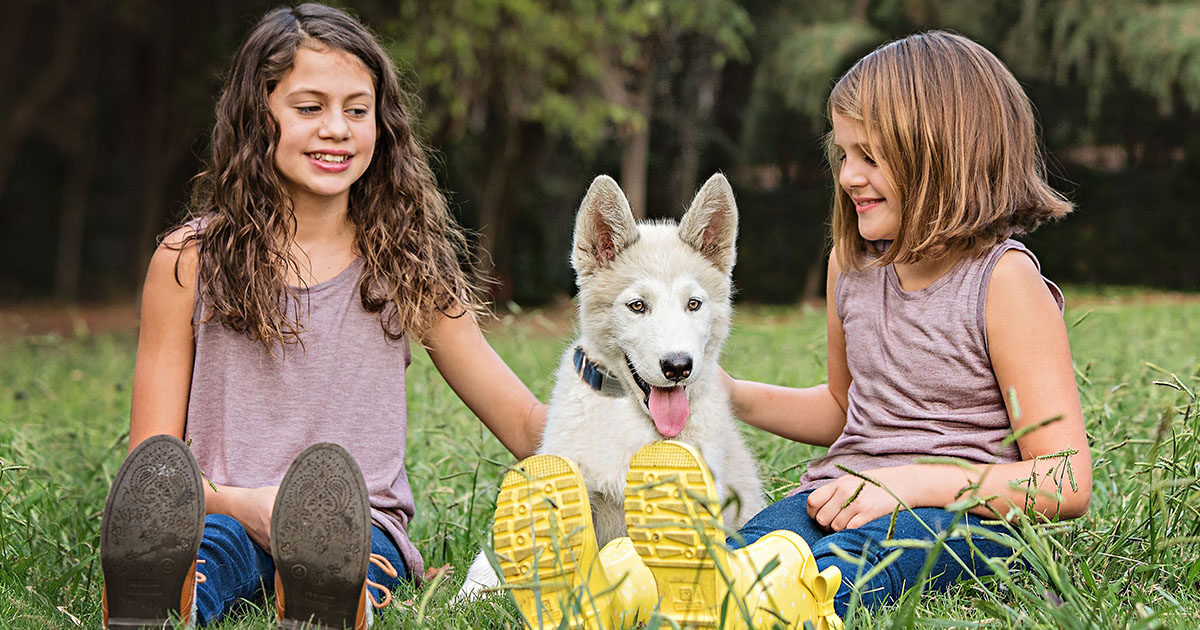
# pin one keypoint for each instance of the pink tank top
(921, 377)
(250, 413)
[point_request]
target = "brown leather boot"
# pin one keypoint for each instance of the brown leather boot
(321, 543)
(151, 529)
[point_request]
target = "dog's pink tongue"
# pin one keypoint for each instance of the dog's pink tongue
(669, 409)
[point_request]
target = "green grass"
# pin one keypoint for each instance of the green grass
(1132, 562)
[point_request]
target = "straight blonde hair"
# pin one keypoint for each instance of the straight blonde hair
(959, 138)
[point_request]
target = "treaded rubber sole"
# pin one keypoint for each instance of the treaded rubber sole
(321, 539)
(543, 537)
(673, 515)
(150, 532)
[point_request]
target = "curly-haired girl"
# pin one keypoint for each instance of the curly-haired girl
(274, 339)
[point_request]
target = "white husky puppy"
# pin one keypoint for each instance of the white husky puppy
(654, 311)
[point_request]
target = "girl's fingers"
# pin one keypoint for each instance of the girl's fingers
(832, 507)
(819, 498)
(847, 512)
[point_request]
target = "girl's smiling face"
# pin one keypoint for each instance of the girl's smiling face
(325, 106)
(863, 177)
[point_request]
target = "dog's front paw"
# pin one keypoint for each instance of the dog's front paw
(480, 578)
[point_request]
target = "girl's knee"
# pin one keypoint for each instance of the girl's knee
(223, 524)
(790, 513)
(860, 554)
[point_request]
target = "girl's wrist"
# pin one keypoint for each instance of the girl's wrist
(219, 499)
(936, 485)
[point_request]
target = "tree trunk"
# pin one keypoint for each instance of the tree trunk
(156, 163)
(814, 278)
(70, 230)
(35, 101)
(493, 212)
(696, 108)
(523, 143)
(78, 140)
(635, 158)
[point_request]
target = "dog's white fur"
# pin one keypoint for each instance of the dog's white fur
(668, 269)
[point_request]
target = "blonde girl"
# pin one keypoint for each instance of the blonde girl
(944, 339)
(279, 317)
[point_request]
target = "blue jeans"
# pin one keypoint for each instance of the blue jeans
(866, 542)
(237, 570)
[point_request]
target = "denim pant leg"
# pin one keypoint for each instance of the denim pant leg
(906, 571)
(235, 568)
(790, 513)
(866, 542)
(382, 544)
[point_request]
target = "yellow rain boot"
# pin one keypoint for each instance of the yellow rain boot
(547, 553)
(673, 515)
(633, 592)
(789, 594)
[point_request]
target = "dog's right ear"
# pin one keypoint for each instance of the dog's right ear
(603, 227)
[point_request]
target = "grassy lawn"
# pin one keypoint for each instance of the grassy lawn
(1132, 562)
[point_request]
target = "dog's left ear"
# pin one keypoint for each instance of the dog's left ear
(710, 225)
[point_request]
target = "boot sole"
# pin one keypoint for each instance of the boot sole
(544, 539)
(321, 539)
(150, 532)
(676, 539)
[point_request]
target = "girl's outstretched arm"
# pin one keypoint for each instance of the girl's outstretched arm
(812, 415)
(486, 384)
(1031, 357)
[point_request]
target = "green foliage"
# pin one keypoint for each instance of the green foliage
(811, 56)
(1160, 48)
(554, 62)
(1101, 46)
(1105, 46)
(1131, 562)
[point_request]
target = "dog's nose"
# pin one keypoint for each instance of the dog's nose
(676, 366)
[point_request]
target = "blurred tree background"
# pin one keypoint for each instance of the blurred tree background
(105, 108)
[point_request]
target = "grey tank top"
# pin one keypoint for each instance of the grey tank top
(921, 377)
(251, 413)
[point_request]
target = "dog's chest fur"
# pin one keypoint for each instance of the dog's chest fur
(600, 433)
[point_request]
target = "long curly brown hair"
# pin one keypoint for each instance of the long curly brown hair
(417, 265)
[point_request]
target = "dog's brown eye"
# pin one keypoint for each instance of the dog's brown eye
(637, 306)
(694, 304)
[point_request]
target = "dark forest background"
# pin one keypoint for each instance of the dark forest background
(105, 109)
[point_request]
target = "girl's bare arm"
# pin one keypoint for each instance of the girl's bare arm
(486, 384)
(812, 415)
(1031, 356)
(162, 374)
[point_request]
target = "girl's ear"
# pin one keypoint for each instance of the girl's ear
(603, 227)
(710, 225)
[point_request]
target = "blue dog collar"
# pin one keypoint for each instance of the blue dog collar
(596, 376)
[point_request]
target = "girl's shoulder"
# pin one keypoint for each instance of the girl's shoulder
(168, 296)
(177, 257)
(1016, 282)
